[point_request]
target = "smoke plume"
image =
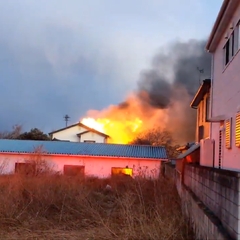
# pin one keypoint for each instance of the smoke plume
(188, 64)
(163, 94)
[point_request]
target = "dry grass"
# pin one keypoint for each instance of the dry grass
(59, 207)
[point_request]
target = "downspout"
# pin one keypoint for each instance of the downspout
(211, 99)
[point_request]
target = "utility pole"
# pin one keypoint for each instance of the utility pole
(66, 117)
(201, 71)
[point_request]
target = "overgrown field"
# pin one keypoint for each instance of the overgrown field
(60, 207)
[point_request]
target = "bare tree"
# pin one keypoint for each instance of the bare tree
(158, 137)
(40, 165)
(14, 134)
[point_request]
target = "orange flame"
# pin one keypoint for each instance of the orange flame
(124, 122)
(92, 123)
(121, 132)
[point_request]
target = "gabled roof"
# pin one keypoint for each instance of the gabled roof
(224, 16)
(81, 125)
(84, 149)
(203, 89)
(92, 130)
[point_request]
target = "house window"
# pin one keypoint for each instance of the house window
(89, 141)
(232, 45)
(198, 115)
(228, 135)
(25, 168)
(226, 52)
(121, 171)
(236, 42)
(202, 107)
(237, 130)
(207, 108)
(237, 38)
(200, 132)
(73, 170)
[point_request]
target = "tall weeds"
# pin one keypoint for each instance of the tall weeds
(131, 209)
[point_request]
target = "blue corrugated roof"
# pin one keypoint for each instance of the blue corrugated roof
(92, 149)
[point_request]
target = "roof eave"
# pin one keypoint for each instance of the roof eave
(216, 25)
(224, 16)
(62, 129)
(95, 131)
(194, 104)
(203, 89)
(79, 124)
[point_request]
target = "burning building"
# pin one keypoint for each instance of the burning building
(162, 98)
(79, 132)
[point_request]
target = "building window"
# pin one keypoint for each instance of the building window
(237, 38)
(200, 132)
(237, 130)
(89, 141)
(232, 45)
(73, 170)
(226, 53)
(25, 168)
(228, 135)
(236, 42)
(121, 171)
(199, 113)
(207, 108)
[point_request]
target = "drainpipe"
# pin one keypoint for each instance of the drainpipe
(211, 99)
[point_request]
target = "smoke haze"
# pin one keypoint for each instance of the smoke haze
(164, 93)
(175, 91)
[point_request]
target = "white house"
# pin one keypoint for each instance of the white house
(223, 148)
(90, 159)
(79, 133)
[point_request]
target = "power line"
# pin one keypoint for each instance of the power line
(66, 117)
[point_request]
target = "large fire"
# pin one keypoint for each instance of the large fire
(125, 121)
(120, 132)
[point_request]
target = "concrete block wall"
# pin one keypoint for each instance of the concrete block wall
(219, 190)
(178, 181)
(205, 225)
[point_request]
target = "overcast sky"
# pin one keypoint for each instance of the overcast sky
(62, 57)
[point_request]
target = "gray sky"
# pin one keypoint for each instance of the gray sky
(69, 56)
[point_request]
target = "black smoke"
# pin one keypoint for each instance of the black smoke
(172, 82)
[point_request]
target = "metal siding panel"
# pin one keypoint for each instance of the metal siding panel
(94, 149)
